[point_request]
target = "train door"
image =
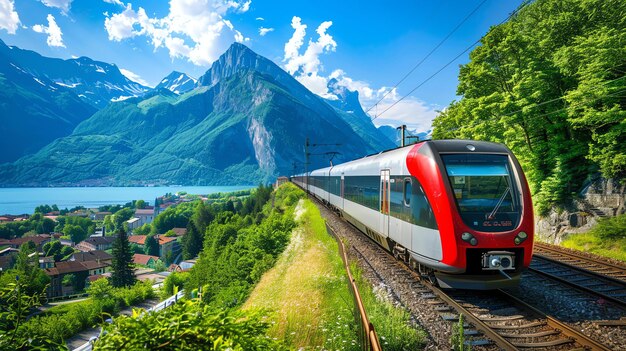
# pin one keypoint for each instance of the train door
(385, 191)
(341, 190)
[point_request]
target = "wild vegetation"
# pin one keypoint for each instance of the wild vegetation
(607, 238)
(49, 329)
(549, 83)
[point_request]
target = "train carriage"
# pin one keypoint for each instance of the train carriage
(458, 211)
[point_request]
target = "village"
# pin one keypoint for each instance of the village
(73, 265)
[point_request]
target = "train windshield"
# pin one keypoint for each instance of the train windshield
(485, 191)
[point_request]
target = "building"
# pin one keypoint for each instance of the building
(96, 255)
(146, 260)
(145, 216)
(179, 231)
(99, 216)
(133, 223)
(138, 239)
(82, 270)
(8, 256)
(187, 264)
(166, 244)
(96, 243)
(280, 181)
(39, 240)
(46, 262)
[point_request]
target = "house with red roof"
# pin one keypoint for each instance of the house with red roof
(145, 260)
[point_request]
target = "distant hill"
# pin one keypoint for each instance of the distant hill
(177, 82)
(245, 123)
(34, 109)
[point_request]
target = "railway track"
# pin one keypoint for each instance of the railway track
(494, 320)
(497, 318)
(579, 261)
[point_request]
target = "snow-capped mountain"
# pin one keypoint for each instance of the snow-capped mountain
(177, 82)
(98, 83)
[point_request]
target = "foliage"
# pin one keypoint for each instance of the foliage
(55, 249)
(37, 223)
(393, 323)
(76, 233)
(122, 273)
(548, 83)
(15, 305)
(176, 279)
(188, 325)
(33, 280)
(237, 249)
(173, 217)
(46, 208)
(457, 339)
(151, 246)
(607, 238)
(63, 321)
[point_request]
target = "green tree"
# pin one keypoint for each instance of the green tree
(140, 204)
(151, 246)
(192, 242)
(123, 273)
(75, 232)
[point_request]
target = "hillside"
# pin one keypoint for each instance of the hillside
(247, 126)
(34, 110)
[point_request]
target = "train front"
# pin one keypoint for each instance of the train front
(482, 205)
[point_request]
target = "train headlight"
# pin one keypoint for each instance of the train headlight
(520, 237)
(469, 238)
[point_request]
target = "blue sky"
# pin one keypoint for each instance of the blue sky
(366, 45)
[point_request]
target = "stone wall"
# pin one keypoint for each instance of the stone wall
(600, 198)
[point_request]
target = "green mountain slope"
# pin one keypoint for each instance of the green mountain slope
(34, 111)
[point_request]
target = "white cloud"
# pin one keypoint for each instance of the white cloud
(115, 2)
(134, 77)
(55, 36)
(193, 29)
(63, 5)
(307, 69)
(9, 19)
(263, 31)
(260, 19)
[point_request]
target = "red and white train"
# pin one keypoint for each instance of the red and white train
(458, 211)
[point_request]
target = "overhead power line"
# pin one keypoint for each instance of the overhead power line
(450, 62)
(428, 55)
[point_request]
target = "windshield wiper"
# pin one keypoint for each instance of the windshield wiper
(497, 207)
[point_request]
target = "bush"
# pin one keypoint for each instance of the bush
(174, 279)
(188, 325)
(611, 228)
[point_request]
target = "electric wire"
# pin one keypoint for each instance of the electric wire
(428, 55)
(523, 5)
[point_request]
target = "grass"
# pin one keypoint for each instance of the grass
(307, 290)
(593, 243)
(310, 302)
(607, 238)
(392, 323)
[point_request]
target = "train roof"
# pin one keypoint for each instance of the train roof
(440, 146)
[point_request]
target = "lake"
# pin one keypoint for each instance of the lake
(24, 200)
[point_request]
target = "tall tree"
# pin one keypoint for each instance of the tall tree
(122, 267)
(192, 242)
(151, 246)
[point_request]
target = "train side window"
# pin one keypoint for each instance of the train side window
(408, 190)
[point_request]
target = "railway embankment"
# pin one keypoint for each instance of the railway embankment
(308, 294)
